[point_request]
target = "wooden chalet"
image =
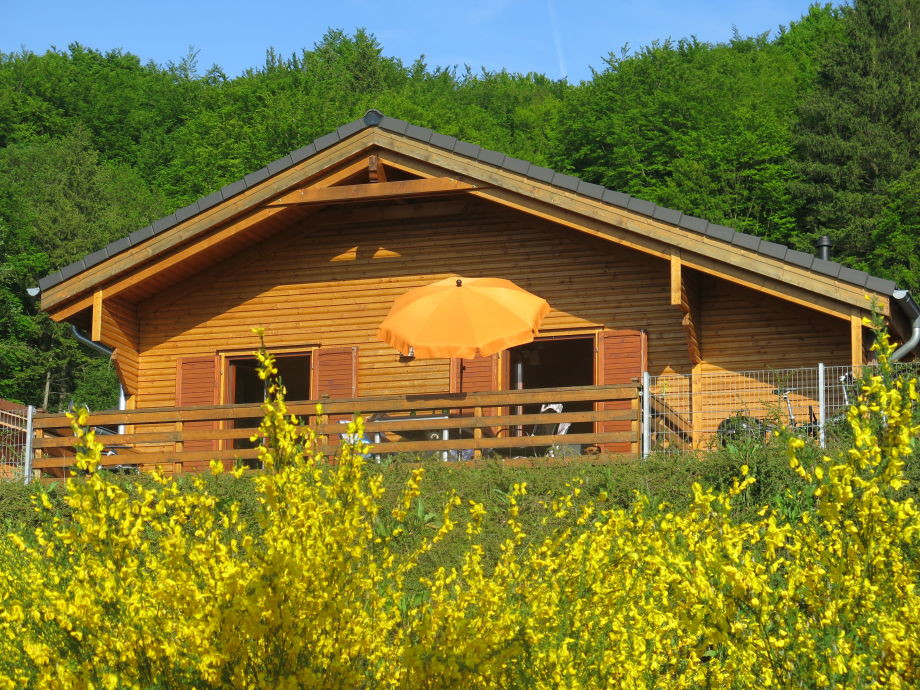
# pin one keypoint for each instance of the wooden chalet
(315, 247)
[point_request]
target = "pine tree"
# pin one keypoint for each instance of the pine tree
(859, 137)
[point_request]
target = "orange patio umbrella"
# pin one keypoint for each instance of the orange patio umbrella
(462, 317)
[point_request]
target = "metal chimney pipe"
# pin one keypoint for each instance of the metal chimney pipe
(823, 246)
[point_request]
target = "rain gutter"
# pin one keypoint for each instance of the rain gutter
(912, 311)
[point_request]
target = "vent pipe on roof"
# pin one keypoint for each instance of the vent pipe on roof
(823, 245)
(912, 312)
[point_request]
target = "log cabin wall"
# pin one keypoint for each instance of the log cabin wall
(330, 279)
(335, 279)
(746, 330)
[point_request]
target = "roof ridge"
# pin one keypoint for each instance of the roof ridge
(375, 118)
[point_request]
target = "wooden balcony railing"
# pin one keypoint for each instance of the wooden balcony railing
(457, 425)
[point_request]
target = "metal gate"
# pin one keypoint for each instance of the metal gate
(16, 442)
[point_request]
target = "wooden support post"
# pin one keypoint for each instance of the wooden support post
(856, 340)
(38, 453)
(375, 170)
(696, 404)
(96, 331)
(675, 278)
(477, 433)
(130, 404)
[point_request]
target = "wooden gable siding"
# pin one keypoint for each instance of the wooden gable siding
(743, 329)
(630, 229)
(333, 283)
(329, 281)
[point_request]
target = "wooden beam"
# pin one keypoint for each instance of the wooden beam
(371, 192)
(376, 172)
(675, 278)
(856, 340)
(70, 309)
(96, 331)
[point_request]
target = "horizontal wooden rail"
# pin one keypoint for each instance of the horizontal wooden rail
(403, 403)
(506, 442)
(153, 459)
(392, 425)
(386, 447)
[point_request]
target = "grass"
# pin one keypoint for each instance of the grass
(662, 478)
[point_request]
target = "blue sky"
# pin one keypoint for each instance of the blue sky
(554, 37)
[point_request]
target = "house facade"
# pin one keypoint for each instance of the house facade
(315, 247)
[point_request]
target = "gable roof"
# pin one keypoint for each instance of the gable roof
(565, 183)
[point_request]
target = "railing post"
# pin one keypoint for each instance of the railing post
(179, 444)
(27, 449)
(477, 433)
(646, 415)
(822, 404)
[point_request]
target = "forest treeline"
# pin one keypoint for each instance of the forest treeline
(813, 129)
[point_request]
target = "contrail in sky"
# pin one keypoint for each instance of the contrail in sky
(557, 39)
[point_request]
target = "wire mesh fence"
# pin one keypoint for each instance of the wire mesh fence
(15, 442)
(711, 409)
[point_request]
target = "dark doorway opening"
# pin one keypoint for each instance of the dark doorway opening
(245, 386)
(556, 363)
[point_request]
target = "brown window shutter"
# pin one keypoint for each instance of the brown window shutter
(196, 386)
(479, 375)
(621, 360)
(335, 375)
(335, 372)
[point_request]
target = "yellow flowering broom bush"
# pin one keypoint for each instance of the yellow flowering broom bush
(156, 587)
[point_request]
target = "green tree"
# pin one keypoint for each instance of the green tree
(706, 129)
(58, 201)
(858, 144)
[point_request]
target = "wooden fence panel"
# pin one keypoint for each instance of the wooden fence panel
(457, 426)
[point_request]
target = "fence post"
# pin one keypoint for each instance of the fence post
(477, 433)
(27, 450)
(821, 404)
(646, 415)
